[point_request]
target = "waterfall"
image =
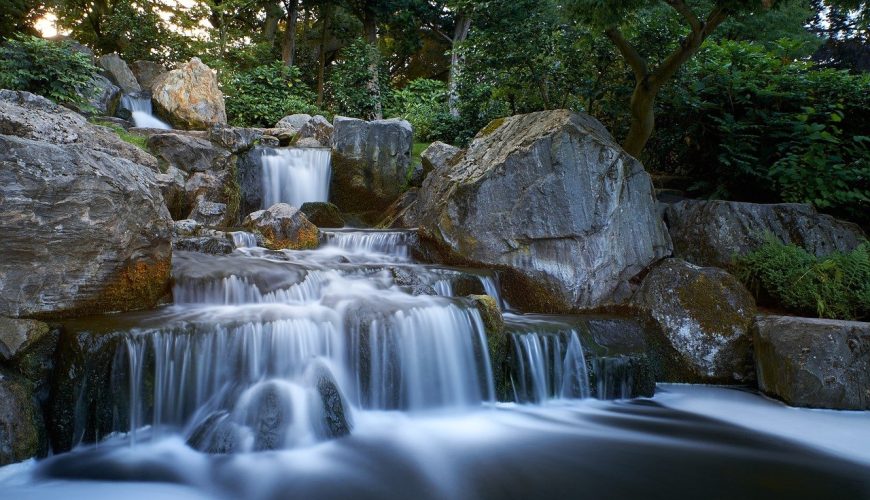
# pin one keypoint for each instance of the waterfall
(392, 243)
(244, 239)
(295, 175)
(140, 109)
(549, 365)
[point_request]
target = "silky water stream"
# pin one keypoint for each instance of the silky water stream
(352, 371)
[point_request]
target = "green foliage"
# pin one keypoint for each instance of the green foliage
(836, 286)
(424, 104)
(139, 141)
(261, 96)
(50, 69)
(348, 85)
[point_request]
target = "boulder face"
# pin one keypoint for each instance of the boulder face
(553, 200)
(317, 128)
(283, 227)
(369, 162)
(293, 122)
(104, 96)
(706, 316)
(322, 214)
(818, 363)
(83, 231)
(147, 73)
(189, 97)
(22, 433)
(118, 71)
(18, 335)
(710, 233)
(190, 154)
(30, 116)
(439, 155)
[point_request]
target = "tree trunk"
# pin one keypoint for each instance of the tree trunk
(642, 118)
(288, 46)
(270, 26)
(321, 67)
(460, 33)
(370, 28)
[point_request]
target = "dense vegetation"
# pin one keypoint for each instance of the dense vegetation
(756, 100)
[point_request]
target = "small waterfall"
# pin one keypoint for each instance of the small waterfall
(549, 365)
(295, 175)
(393, 243)
(140, 109)
(244, 239)
(236, 290)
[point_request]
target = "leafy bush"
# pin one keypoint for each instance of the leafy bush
(424, 103)
(348, 85)
(50, 69)
(836, 286)
(261, 96)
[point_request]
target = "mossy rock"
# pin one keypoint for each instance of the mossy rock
(22, 431)
(323, 214)
(497, 343)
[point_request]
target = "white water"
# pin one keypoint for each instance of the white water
(295, 175)
(242, 239)
(141, 111)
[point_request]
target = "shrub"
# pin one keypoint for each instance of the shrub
(261, 96)
(423, 102)
(348, 85)
(836, 286)
(50, 69)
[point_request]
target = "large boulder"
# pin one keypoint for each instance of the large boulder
(706, 315)
(118, 71)
(369, 162)
(819, 363)
(711, 233)
(317, 128)
(30, 116)
(103, 96)
(208, 213)
(147, 73)
(439, 155)
(294, 123)
(402, 213)
(83, 231)
(552, 199)
(190, 154)
(172, 186)
(322, 214)
(18, 335)
(189, 97)
(234, 139)
(283, 226)
(22, 432)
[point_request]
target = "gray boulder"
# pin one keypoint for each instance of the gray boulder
(210, 244)
(283, 226)
(818, 363)
(172, 186)
(710, 233)
(103, 96)
(118, 71)
(308, 142)
(208, 213)
(26, 115)
(147, 73)
(369, 162)
(234, 139)
(18, 335)
(322, 214)
(402, 213)
(22, 432)
(705, 314)
(206, 185)
(83, 231)
(293, 123)
(551, 198)
(190, 154)
(317, 128)
(439, 155)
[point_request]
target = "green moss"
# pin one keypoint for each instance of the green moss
(232, 194)
(491, 127)
(496, 343)
(139, 141)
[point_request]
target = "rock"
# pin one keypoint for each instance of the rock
(497, 343)
(206, 185)
(417, 176)
(236, 140)
(212, 245)
(118, 71)
(283, 226)
(147, 72)
(172, 186)
(317, 128)
(83, 231)
(22, 433)
(26, 115)
(186, 227)
(308, 142)
(322, 214)
(190, 154)
(27, 347)
(705, 314)
(818, 363)
(710, 233)
(552, 199)
(336, 420)
(294, 123)
(103, 97)
(208, 213)
(369, 162)
(189, 97)
(402, 214)
(439, 155)
(17, 335)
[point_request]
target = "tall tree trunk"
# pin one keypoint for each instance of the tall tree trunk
(370, 28)
(288, 46)
(326, 12)
(642, 119)
(460, 34)
(270, 26)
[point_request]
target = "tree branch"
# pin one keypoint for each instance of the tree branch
(632, 57)
(687, 13)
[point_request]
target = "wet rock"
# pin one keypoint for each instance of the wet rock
(294, 123)
(706, 315)
(711, 233)
(18, 335)
(402, 213)
(187, 153)
(439, 155)
(212, 245)
(317, 128)
(369, 162)
(186, 227)
(189, 97)
(308, 142)
(208, 213)
(412, 282)
(236, 140)
(117, 69)
(322, 214)
(818, 363)
(22, 432)
(552, 199)
(147, 73)
(172, 186)
(206, 185)
(249, 175)
(497, 343)
(283, 227)
(335, 416)
(29, 116)
(103, 96)
(83, 231)
(217, 434)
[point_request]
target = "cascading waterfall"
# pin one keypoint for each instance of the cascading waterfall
(295, 175)
(141, 111)
(243, 239)
(549, 365)
(393, 243)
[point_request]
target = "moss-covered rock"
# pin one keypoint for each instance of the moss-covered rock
(22, 432)
(323, 214)
(283, 227)
(497, 343)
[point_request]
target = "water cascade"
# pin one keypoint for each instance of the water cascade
(141, 111)
(295, 175)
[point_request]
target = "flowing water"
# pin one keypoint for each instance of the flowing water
(354, 371)
(141, 111)
(295, 175)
